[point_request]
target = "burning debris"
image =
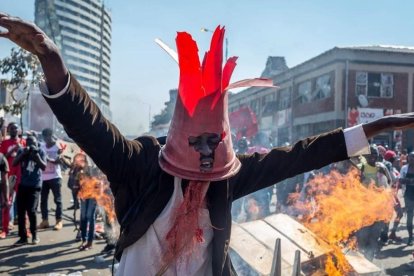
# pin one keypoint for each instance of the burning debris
(337, 208)
(332, 208)
(97, 187)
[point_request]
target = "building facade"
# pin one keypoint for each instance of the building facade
(338, 88)
(82, 31)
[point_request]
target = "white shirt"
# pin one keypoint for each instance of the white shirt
(145, 256)
(52, 170)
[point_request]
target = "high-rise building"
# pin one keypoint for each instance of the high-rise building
(82, 31)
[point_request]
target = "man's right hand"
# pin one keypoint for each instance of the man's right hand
(26, 35)
(31, 38)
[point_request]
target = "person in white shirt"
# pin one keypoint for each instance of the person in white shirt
(52, 180)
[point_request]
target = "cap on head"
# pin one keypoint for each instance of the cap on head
(389, 154)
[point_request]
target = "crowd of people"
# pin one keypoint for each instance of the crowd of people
(31, 166)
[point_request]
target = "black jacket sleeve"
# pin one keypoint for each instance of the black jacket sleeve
(262, 170)
(118, 157)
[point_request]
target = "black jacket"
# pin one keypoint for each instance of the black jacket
(137, 179)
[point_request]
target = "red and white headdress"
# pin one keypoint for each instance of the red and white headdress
(202, 107)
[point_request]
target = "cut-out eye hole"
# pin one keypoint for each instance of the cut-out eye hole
(214, 139)
(192, 140)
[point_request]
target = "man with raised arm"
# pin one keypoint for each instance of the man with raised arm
(174, 200)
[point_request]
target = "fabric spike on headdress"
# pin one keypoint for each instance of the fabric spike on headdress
(202, 107)
(198, 81)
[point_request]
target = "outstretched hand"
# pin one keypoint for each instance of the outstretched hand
(393, 122)
(26, 35)
(31, 38)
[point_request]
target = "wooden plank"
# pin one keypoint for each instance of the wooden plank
(302, 236)
(361, 265)
(257, 255)
(267, 235)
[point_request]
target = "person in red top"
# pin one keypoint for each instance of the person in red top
(9, 148)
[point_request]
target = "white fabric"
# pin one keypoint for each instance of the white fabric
(356, 141)
(45, 91)
(144, 257)
(52, 170)
(403, 171)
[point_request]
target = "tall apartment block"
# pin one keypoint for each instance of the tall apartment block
(82, 31)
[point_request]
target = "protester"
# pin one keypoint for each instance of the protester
(403, 157)
(174, 202)
(88, 212)
(9, 148)
(393, 166)
(373, 172)
(78, 167)
(243, 145)
(52, 180)
(407, 179)
(5, 197)
(32, 161)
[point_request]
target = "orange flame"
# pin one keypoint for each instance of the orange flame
(336, 206)
(98, 188)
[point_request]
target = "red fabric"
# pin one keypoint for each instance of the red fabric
(244, 123)
(185, 232)
(5, 219)
(5, 147)
(190, 89)
(213, 61)
(199, 81)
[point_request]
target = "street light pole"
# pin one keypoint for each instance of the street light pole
(226, 54)
(226, 51)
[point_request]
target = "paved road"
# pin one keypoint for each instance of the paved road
(58, 254)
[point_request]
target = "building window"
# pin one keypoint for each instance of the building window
(305, 92)
(268, 98)
(361, 83)
(284, 99)
(375, 85)
(322, 87)
(387, 85)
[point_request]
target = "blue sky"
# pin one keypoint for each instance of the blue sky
(142, 74)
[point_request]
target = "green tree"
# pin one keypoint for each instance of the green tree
(21, 71)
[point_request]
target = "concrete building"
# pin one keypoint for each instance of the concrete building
(341, 87)
(82, 31)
